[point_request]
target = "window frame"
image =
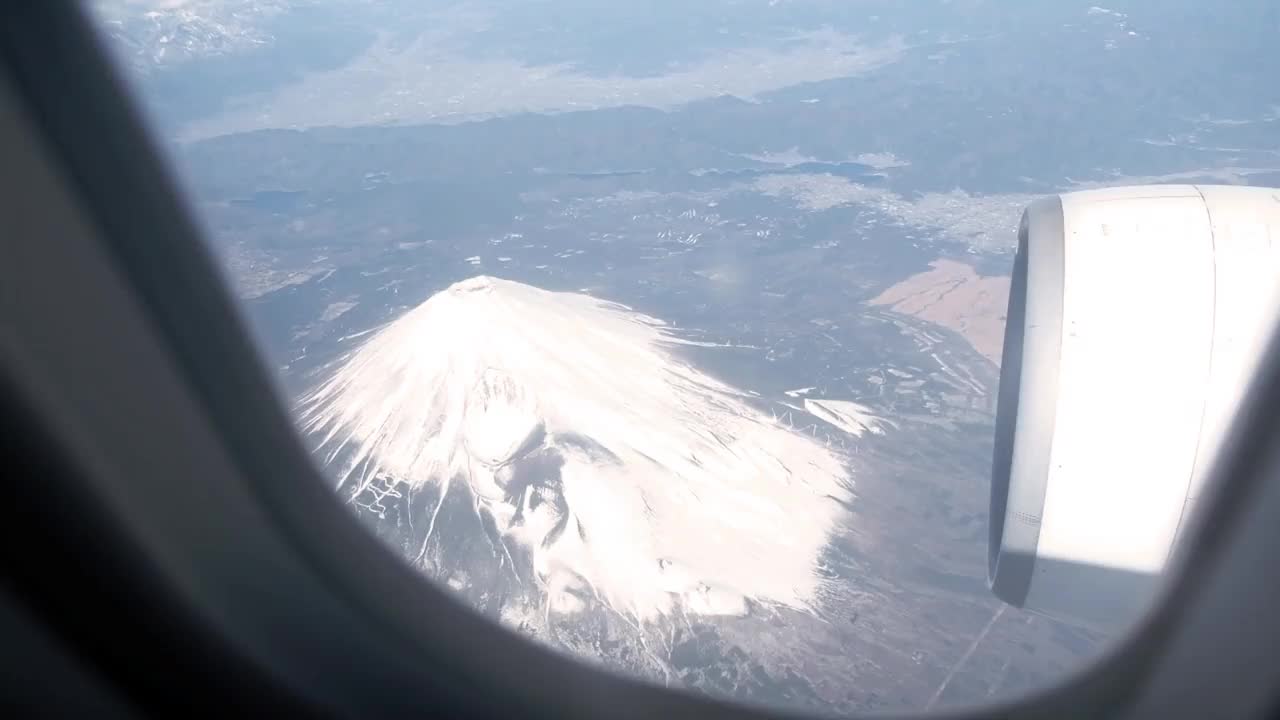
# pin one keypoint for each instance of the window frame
(256, 558)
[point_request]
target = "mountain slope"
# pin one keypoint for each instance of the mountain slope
(596, 461)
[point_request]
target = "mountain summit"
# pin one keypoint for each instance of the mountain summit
(620, 473)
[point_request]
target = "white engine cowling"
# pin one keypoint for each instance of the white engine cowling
(1135, 316)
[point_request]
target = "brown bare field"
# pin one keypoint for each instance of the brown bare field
(956, 297)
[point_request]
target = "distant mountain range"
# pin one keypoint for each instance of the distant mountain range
(165, 32)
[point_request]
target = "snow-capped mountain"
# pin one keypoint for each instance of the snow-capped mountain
(158, 32)
(547, 453)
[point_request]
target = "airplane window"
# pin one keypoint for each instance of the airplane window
(670, 335)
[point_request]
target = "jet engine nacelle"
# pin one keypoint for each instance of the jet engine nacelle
(1135, 315)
